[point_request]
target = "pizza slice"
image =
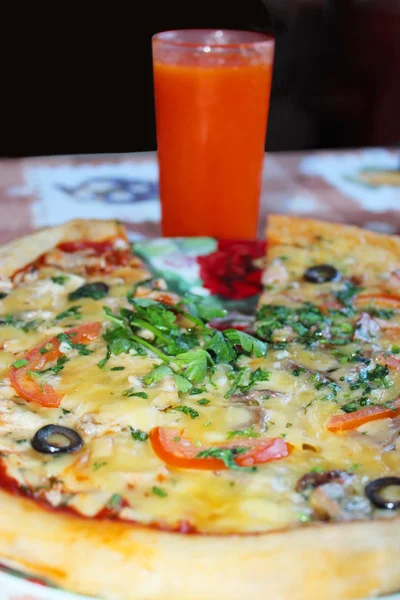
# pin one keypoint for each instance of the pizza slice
(330, 313)
(146, 455)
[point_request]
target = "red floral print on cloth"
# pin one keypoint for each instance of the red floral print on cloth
(234, 270)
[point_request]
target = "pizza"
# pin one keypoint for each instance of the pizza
(145, 453)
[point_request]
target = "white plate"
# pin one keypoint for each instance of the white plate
(15, 588)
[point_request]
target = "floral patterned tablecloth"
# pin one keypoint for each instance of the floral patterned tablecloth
(361, 187)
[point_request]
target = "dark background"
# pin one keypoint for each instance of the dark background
(77, 78)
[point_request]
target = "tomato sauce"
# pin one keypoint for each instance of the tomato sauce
(11, 486)
(81, 245)
(106, 248)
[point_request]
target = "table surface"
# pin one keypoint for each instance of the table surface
(360, 187)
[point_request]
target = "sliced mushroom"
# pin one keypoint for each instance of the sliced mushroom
(255, 397)
(323, 376)
(254, 402)
(383, 433)
(324, 500)
(332, 502)
(313, 480)
(257, 416)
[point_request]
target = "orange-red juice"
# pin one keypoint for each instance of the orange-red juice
(211, 126)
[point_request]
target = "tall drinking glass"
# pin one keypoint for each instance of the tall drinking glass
(212, 93)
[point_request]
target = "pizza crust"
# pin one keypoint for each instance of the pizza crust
(371, 252)
(123, 561)
(284, 229)
(18, 253)
(119, 560)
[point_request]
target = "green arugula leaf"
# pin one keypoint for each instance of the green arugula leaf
(115, 502)
(363, 402)
(143, 283)
(60, 279)
(138, 435)
(238, 380)
(298, 372)
(96, 290)
(143, 302)
(256, 377)
(157, 374)
(31, 325)
(9, 320)
(202, 308)
(248, 433)
(308, 325)
(159, 492)
(381, 313)
(371, 379)
(46, 348)
(22, 362)
(203, 401)
(250, 344)
(347, 293)
(119, 340)
(183, 385)
(16, 321)
(56, 368)
(98, 465)
(122, 321)
(196, 391)
(130, 393)
(83, 350)
(227, 455)
(161, 322)
(70, 313)
(155, 313)
(102, 363)
(196, 364)
(208, 312)
(187, 410)
(221, 351)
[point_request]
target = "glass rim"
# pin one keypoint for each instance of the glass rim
(255, 40)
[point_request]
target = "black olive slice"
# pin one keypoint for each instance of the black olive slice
(373, 492)
(41, 441)
(321, 274)
(3, 295)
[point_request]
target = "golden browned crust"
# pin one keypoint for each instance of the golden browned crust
(17, 254)
(284, 229)
(367, 251)
(122, 561)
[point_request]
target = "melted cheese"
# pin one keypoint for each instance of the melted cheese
(112, 463)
